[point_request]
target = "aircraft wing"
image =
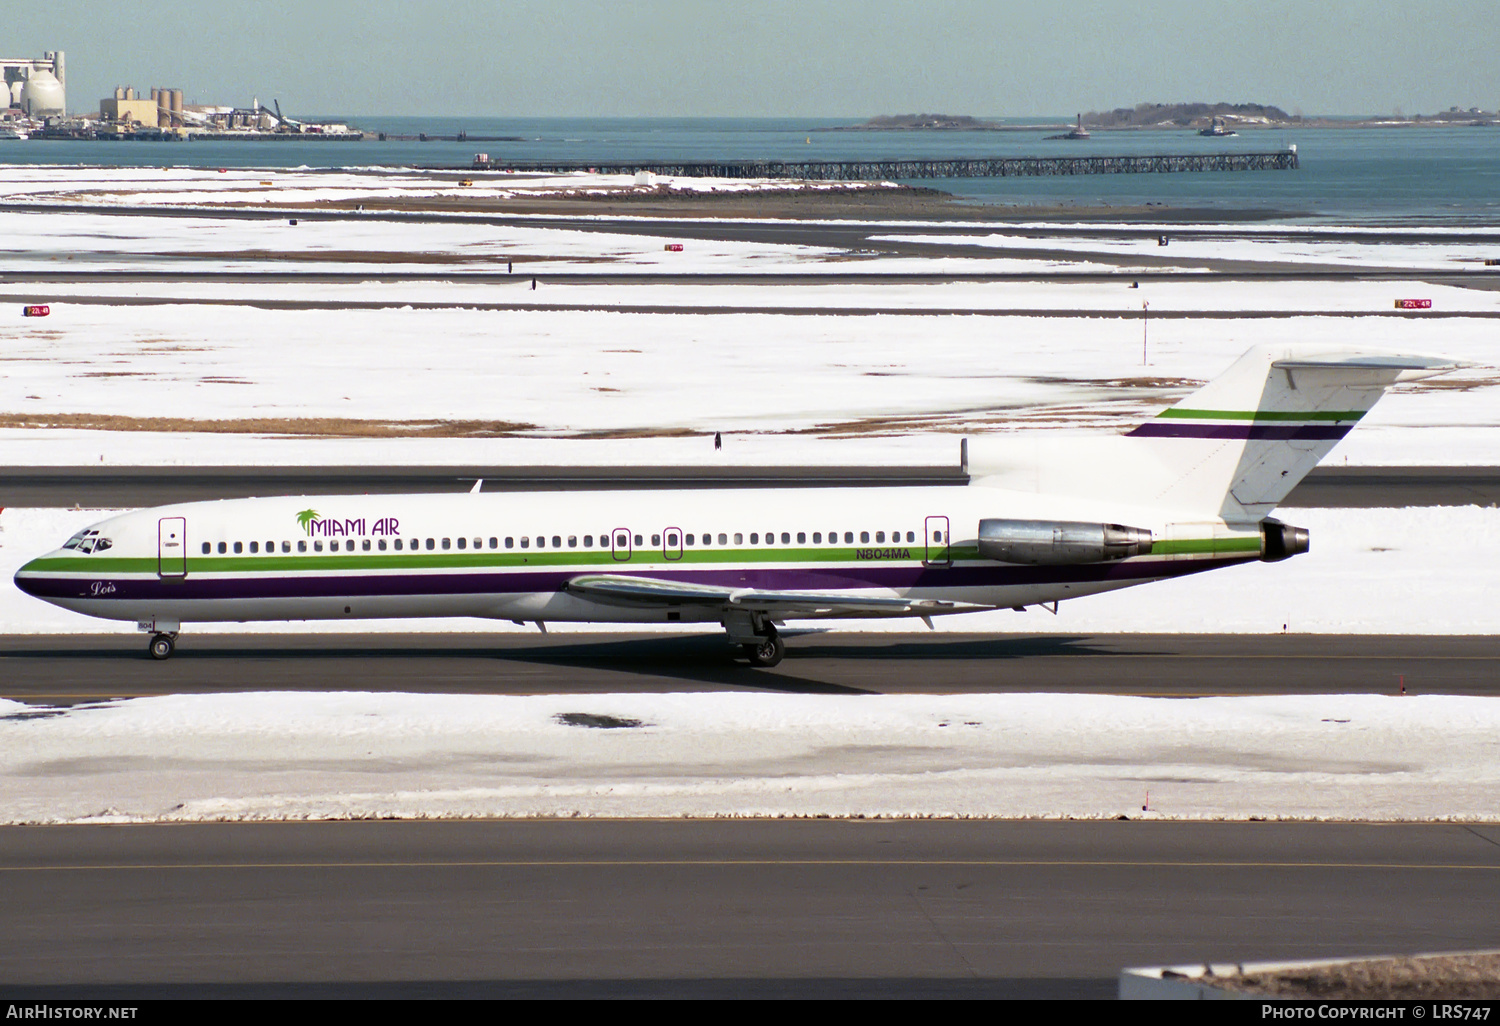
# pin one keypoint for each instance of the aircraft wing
(619, 589)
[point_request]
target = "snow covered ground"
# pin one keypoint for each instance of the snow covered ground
(547, 374)
(192, 186)
(591, 384)
(343, 755)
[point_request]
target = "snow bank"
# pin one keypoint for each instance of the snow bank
(344, 755)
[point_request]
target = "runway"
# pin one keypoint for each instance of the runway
(107, 487)
(68, 669)
(588, 908)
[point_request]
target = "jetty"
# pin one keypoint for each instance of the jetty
(888, 170)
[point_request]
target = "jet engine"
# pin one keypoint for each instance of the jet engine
(1280, 541)
(1054, 542)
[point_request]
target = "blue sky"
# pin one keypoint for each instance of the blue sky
(802, 58)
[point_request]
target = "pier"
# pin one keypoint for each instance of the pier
(888, 170)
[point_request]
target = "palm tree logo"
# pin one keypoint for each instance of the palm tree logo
(306, 517)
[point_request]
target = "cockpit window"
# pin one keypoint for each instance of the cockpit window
(102, 544)
(73, 542)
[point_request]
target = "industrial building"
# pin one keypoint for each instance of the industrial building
(36, 87)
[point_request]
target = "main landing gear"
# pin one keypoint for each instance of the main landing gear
(756, 634)
(161, 645)
(768, 651)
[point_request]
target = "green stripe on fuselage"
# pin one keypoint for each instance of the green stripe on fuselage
(1256, 416)
(596, 560)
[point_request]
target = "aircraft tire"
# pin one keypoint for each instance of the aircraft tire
(766, 652)
(161, 646)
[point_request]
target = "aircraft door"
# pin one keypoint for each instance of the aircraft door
(620, 544)
(938, 542)
(671, 545)
(171, 547)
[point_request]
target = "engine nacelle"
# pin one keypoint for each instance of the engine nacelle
(1280, 541)
(1054, 542)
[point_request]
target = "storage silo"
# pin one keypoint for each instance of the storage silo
(42, 96)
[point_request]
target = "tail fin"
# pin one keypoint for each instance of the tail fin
(1237, 446)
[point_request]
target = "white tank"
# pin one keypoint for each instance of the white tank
(43, 95)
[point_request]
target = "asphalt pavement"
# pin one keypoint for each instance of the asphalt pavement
(71, 668)
(643, 908)
(114, 487)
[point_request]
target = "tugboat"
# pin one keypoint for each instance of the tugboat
(1217, 130)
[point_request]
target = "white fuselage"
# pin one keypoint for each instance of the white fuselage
(511, 555)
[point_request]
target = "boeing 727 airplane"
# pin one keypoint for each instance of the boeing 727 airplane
(1043, 519)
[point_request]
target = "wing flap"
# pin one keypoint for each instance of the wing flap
(651, 591)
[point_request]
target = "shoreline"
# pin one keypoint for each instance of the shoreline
(898, 203)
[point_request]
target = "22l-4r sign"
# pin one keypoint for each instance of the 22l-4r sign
(1413, 304)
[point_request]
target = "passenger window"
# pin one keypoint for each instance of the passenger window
(317, 546)
(911, 536)
(754, 537)
(786, 538)
(655, 540)
(431, 544)
(494, 543)
(238, 548)
(380, 544)
(723, 540)
(525, 542)
(365, 544)
(207, 548)
(301, 546)
(588, 541)
(572, 541)
(510, 543)
(349, 545)
(447, 545)
(739, 539)
(848, 537)
(801, 537)
(937, 536)
(462, 543)
(688, 539)
(255, 546)
(286, 546)
(879, 536)
(557, 541)
(398, 544)
(864, 537)
(817, 537)
(541, 541)
(637, 539)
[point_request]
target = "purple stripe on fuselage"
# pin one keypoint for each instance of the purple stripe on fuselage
(501, 583)
(1255, 432)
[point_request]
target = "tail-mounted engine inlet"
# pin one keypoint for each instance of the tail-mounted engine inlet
(1054, 542)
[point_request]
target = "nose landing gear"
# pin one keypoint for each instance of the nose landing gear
(161, 645)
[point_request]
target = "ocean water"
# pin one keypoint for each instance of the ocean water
(1426, 175)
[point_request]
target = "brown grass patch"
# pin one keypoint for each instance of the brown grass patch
(316, 427)
(356, 256)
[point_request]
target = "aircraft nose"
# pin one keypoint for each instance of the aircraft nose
(27, 578)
